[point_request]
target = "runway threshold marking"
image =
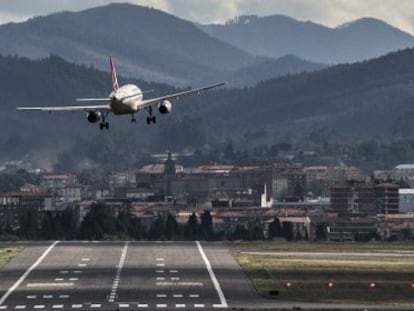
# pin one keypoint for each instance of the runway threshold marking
(24, 276)
(223, 301)
(118, 273)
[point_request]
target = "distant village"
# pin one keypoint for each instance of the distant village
(271, 201)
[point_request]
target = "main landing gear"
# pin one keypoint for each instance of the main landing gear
(133, 120)
(104, 124)
(151, 118)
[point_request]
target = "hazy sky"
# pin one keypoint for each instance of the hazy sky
(399, 13)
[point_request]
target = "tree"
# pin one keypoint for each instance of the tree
(240, 233)
(98, 223)
(171, 228)
(320, 233)
(29, 229)
(192, 227)
(206, 226)
(275, 229)
(287, 230)
(157, 229)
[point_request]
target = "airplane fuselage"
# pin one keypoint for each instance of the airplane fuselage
(126, 100)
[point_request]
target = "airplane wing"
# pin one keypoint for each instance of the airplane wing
(67, 108)
(157, 100)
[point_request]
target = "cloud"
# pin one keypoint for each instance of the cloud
(399, 13)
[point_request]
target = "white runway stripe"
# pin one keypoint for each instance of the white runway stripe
(199, 305)
(39, 306)
(77, 306)
(24, 276)
(179, 283)
(142, 305)
(118, 272)
(49, 284)
(223, 301)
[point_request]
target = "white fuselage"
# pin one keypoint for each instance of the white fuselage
(126, 100)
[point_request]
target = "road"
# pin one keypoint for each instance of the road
(125, 276)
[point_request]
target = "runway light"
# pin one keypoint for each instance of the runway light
(330, 285)
(288, 284)
(412, 286)
(372, 285)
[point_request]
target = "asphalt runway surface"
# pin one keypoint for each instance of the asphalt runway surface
(136, 276)
(124, 276)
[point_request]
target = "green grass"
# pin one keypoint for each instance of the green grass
(400, 247)
(6, 254)
(351, 276)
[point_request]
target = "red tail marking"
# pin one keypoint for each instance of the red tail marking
(113, 74)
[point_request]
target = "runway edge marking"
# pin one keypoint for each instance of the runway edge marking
(24, 276)
(223, 301)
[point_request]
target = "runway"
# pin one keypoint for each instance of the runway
(124, 276)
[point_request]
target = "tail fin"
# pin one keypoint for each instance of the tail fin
(113, 74)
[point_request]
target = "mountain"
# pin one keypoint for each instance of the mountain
(279, 35)
(146, 43)
(344, 103)
(270, 69)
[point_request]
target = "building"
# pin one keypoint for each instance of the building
(319, 179)
(14, 204)
(406, 200)
(283, 180)
(387, 198)
(353, 198)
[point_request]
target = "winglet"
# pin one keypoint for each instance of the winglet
(113, 74)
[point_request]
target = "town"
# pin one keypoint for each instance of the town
(166, 200)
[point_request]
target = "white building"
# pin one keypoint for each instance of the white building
(406, 197)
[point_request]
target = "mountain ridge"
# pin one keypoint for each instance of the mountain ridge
(278, 35)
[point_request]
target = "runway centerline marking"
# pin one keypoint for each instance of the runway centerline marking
(24, 276)
(223, 301)
(39, 307)
(118, 273)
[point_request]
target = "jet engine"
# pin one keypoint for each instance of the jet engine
(93, 116)
(165, 107)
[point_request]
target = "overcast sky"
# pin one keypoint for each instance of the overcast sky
(399, 13)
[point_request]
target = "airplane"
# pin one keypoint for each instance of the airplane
(127, 99)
